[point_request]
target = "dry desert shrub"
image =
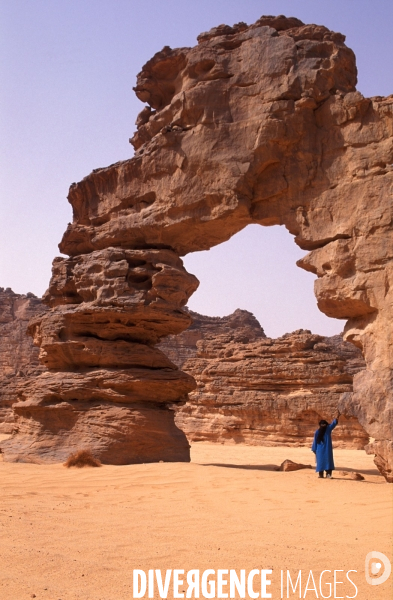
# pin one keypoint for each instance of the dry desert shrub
(82, 458)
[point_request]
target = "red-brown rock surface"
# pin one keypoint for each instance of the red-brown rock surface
(221, 353)
(289, 465)
(256, 390)
(106, 387)
(18, 356)
(182, 347)
(255, 124)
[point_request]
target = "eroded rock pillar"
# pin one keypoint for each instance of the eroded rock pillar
(107, 387)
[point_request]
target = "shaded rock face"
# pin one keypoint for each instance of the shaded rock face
(18, 356)
(105, 385)
(255, 124)
(261, 391)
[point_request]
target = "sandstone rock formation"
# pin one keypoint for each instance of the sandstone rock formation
(182, 347)
(106, 386)
(229, 365)
(18, 356)
(256, 124)
(256, 390)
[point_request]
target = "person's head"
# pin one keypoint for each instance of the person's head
(321, 431)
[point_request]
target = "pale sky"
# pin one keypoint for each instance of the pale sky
(67, 107)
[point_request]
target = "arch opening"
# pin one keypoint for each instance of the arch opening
(265, 372)
(256, 270)
(266, 380)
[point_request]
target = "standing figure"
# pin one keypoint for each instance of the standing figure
(323, 449)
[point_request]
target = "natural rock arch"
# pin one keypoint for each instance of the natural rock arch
(256, 124)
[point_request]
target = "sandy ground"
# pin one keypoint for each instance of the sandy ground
(70, 534)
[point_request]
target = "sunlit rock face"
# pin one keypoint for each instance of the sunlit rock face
(261, 391)
(250, 389)
(256, 124)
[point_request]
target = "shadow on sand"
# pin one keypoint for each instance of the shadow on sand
(336, 474)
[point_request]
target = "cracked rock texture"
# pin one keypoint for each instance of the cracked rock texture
(180, 348)
(105, 386)
(250, 389)
(260, 391)
(256, 124)
(18, 356)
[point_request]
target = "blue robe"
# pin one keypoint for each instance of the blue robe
(324, 450)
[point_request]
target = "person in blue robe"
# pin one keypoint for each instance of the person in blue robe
(323, 448)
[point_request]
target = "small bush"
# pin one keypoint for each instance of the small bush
(82, 458)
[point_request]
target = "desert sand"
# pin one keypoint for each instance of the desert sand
(77, 534)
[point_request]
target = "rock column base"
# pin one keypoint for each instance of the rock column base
(116, 434)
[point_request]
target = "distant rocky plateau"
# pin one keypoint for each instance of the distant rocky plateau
(255, 124)
(256, 390)
(250, 389)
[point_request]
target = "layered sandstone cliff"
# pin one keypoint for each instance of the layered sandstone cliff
(250, 389)
(182, 348)
(256, 124)
(256, 390)
(18, 356)
(105, 386)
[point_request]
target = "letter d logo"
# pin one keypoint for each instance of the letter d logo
(375, 557)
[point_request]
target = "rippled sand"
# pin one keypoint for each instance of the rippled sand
(78, 534)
